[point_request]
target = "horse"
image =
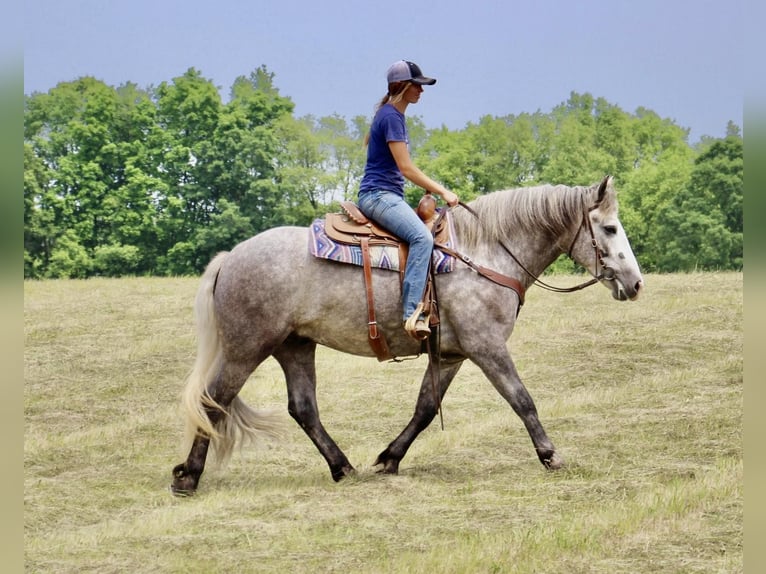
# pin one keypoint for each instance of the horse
(269, 296)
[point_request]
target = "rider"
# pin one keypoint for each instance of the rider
(381, 192)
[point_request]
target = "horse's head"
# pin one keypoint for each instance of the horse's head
(602, 247)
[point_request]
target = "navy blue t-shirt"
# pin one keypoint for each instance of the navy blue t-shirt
(381, 171)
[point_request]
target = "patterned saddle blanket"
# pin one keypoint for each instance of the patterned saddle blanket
(325, 244)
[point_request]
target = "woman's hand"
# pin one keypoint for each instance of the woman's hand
(451, 198)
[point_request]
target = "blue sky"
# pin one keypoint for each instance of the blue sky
(683, 59)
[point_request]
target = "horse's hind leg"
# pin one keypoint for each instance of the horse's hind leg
(187, 474)
(296, 357)
(425, 410)
(223, 389)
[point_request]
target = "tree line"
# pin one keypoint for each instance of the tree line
(154, 181)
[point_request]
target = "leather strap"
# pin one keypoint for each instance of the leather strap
(493, 276)
(376, 338)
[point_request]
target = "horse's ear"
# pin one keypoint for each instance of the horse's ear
(602, 187)
(605, 191)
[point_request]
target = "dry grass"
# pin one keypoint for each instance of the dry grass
(644, 400)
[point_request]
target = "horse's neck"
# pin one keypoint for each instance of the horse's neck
(531, 244)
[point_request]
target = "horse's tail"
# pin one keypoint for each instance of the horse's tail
(238, 420)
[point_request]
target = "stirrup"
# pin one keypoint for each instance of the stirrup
(416, 325)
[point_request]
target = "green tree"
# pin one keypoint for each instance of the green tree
(661, 166)
(614, 136)
(301, 177)
(188, 110)
(68, 259)
(445, 157)
(718, 175)
(701, 229)
(96, 144)
(692, 239)
(39, 214)
(492, 148)
(345, 156)
(227, 227)
(219, 166)
(71, 130)
(575, 157)
(510, 151)
(249, 147)
(116, 260)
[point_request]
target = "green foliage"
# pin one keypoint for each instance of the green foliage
(577, 155)
(68, 259)
(127, 181)
(179, 260)
(227, 227)
(702, 227)
(154, 181)
(116, 260)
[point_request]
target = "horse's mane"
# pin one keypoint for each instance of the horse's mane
(552, 208)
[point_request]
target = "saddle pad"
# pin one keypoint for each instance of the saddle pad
(381, 256)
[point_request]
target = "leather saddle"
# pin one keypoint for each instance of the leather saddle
(351, 226)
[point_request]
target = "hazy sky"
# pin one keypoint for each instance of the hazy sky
(683, 59)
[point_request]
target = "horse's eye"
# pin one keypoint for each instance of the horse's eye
(610, 229)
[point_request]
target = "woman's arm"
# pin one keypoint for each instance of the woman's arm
(412, 172)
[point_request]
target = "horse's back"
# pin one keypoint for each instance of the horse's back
(269, 267)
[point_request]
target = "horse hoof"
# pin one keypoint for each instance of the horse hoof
(389, 466)
(554, 462)
(184, 483)
(338, 475)
(180, 492)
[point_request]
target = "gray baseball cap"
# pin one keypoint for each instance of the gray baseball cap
(404, 71)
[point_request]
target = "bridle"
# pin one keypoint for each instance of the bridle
(607, 273)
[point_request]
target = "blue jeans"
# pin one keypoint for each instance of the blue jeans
(389, 210)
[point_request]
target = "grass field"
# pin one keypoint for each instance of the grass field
(644, 401)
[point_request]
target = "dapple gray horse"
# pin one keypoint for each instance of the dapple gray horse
(270, 297)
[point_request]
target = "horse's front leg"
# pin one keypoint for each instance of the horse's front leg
(498, 367)
(425, 411)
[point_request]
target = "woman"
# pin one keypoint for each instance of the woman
(381, 192)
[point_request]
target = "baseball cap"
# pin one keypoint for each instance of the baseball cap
(404, 71)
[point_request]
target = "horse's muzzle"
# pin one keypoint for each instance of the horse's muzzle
(621, 292)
